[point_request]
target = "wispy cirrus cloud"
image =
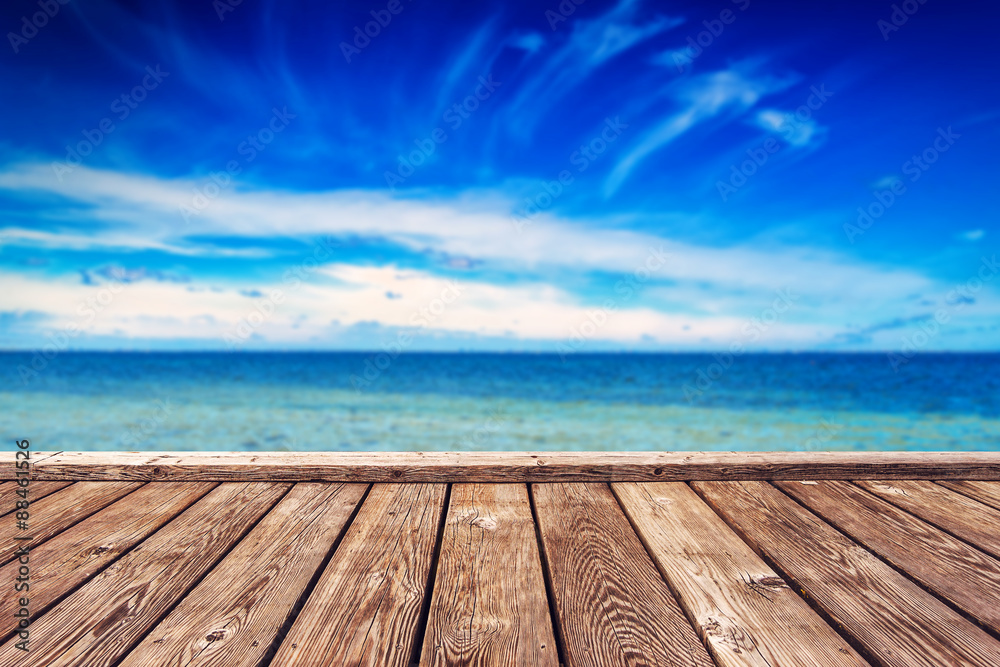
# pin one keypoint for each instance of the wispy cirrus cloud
(590, 44)
(359, 296)
(521, 285)
(654, 188)
(138, 210)
(797, 133)
(696, 100)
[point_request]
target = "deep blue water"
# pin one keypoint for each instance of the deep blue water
(310, 401)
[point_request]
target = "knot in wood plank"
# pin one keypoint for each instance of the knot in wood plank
(485, 522)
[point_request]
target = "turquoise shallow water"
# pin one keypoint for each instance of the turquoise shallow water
(357, 401)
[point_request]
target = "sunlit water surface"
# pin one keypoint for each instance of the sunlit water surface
(344, 401)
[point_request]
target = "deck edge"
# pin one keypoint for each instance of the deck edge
(440, 467)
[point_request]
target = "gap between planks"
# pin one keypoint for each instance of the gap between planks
(546, 567)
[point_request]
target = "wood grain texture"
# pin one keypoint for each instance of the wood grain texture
(893, 618)
(58, 511)
(987, 493)
(72, 557)
(97, 625)
(613, 607)
(963, 517)
(952, 569)
(489, 605)
(514, 467)
(366, 604)
(745, 613)
(234, 615)
(36, 491)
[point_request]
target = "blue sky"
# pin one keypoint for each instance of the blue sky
(499, 176)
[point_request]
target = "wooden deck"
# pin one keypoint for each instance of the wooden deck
(233, 560)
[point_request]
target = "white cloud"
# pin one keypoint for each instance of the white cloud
(886, 182)
(530, 41)
(795, 132)
(972, 235)
(314, 313)
(304, 313)
(142, 212)
(710, 288)
(702, 98)
(590, 44)
(675, 58)
(604, 40)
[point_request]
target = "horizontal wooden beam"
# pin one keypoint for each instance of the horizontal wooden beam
(506, 466)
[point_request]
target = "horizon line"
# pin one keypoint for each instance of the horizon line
(492, 352)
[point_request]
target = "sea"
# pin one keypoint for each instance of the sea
(357, 401)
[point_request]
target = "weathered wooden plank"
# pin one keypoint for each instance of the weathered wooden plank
(613, 607)
(893, 618)
(58, 511)
(489, 605)
(947, 566)
(745, 613)
(96, 625)
(514, 467)
(78, 553)
(953, 512)
(36, 491)
(985, 492)
(366, 604)
(232, 618)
